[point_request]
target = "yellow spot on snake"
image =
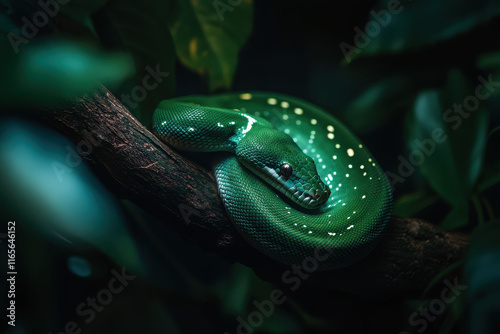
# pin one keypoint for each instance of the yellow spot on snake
(285, 104)
(314, 121)
(350, 152)
(285, 117)
(330, 128)
(299, 111)
(331, 136)
(246, 96)
(272, 101)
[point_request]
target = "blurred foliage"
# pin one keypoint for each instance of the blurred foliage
(406, 30)
(406, 66)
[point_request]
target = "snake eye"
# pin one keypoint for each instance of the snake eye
(286, 170)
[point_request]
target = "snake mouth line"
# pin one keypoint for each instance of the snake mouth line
(309, 199)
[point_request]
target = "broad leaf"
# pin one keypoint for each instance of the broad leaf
(448, 144)
(379, 102)
(208, 36)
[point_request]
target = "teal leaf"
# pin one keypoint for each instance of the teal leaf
(482, 267)
(482, 272)
(51, 72)
(48, 187)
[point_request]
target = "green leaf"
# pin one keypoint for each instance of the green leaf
(489, 61)
(442, 275)
(379, 102)
(54, 71)
(235, 291)
(447, 142)
(410, 204)
(489, 177)
(83, 6)
(81, 11)
(208, 36)
(436, 21)
(457, 217)
(141, 29)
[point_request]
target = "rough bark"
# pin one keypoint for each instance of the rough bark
(137, 166)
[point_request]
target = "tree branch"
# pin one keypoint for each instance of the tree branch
(183, 194)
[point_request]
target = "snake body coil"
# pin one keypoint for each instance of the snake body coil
(297, 183)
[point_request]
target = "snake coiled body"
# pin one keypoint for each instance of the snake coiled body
(296, 183)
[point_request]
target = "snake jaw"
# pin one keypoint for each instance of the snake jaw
(314, 198)
(309, 199)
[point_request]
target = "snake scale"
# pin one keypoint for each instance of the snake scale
(296, 183)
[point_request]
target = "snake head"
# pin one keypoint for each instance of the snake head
(275, 157)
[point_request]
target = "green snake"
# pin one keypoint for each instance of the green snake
(296, 183)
